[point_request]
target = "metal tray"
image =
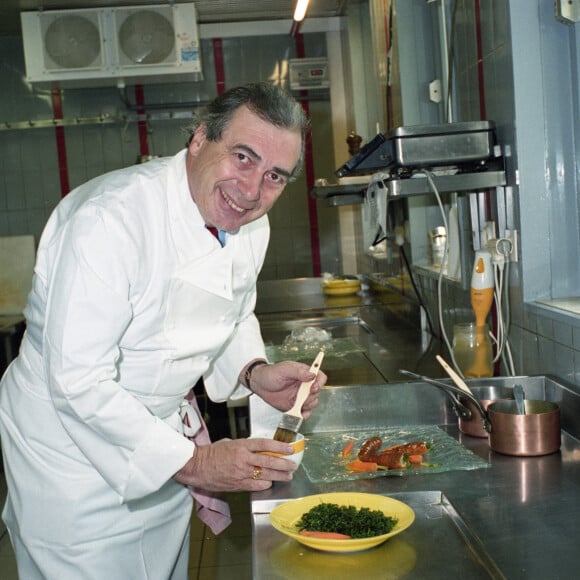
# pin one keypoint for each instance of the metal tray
(438, 540)
(445, 144)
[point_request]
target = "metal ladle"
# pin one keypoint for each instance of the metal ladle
(519, 396)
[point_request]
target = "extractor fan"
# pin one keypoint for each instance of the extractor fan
(144, 37)
(107, 46)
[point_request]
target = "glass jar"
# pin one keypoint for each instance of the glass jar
(472, 350)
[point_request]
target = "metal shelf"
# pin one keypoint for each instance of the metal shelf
(416, 185)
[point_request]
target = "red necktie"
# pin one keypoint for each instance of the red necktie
(214, 231)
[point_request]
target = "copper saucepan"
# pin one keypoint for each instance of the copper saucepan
(486, 395)
(536, 432)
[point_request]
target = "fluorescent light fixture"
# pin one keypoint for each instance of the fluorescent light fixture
(300, 10)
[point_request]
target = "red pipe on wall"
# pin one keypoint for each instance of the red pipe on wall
(218, 59)
(141, 123)
(60, 138)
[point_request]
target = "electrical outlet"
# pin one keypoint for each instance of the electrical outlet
(499, 247)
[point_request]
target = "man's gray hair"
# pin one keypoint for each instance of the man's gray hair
(268, 101)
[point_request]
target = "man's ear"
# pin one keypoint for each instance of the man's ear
(197, 140)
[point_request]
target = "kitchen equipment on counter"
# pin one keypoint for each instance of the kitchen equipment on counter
(292, 419)
(482, 285)
(425, 146)
(535, 433)
(286, 516)
(437, 244)
(341, 286)
(324, 463)
(486, 395)
(298, 445)
(472, 350)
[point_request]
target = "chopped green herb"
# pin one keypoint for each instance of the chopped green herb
(349, 520)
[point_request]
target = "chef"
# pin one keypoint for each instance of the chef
(134, 299)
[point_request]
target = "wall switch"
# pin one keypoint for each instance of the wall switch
(435, 92)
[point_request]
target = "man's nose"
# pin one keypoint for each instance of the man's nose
(251, 185)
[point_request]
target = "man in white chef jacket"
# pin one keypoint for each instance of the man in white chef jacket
(133, 301)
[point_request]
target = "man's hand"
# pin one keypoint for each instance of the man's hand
(237, 465)
(278, 384)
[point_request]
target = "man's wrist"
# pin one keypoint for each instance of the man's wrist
(248, 373)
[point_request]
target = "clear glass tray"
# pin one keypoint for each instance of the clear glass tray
(323, 462)
(335, 348)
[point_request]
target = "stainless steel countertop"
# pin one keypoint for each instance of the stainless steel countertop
(516, 519)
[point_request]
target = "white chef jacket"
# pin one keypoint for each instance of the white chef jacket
(133, 300)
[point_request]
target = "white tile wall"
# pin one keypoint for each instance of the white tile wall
(29, 172)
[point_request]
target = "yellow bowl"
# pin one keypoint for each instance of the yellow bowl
(340, 287)
(285, 517)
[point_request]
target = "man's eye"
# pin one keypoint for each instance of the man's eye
(277, 179)
(243, 158)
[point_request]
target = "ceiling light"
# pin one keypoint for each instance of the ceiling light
(300, 10)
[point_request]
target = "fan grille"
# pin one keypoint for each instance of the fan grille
(146, 37)
(72, 42)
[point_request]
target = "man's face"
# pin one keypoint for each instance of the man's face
(238, 179)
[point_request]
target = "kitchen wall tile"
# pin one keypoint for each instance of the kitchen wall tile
(4, 223)
(14, 183)
(545, 327)
(77, 176)
(562, 332)
(36, 222)
(576, 337)
(33, 186)
(3, 196)
(546, 360)
(18, 223)
(529, 363)
(563, 362)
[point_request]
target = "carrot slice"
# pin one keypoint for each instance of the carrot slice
(324, 535)
(358, 465)
(415, 459)
(347, 449)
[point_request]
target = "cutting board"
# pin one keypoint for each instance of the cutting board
(17, 256)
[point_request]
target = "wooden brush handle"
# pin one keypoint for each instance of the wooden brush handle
(454, 376)
(304, 389)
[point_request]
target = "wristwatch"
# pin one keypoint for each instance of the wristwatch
(248, 373)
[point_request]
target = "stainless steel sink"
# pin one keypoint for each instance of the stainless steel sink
(439, 539)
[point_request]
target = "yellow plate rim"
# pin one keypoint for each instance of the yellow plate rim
(285, 516)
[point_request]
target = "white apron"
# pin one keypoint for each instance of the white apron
(90, 430)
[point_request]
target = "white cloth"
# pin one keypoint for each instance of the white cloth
(132, 301)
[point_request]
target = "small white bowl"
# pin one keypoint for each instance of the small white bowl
(298, 445)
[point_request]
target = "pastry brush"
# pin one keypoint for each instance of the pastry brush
(292, 419)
